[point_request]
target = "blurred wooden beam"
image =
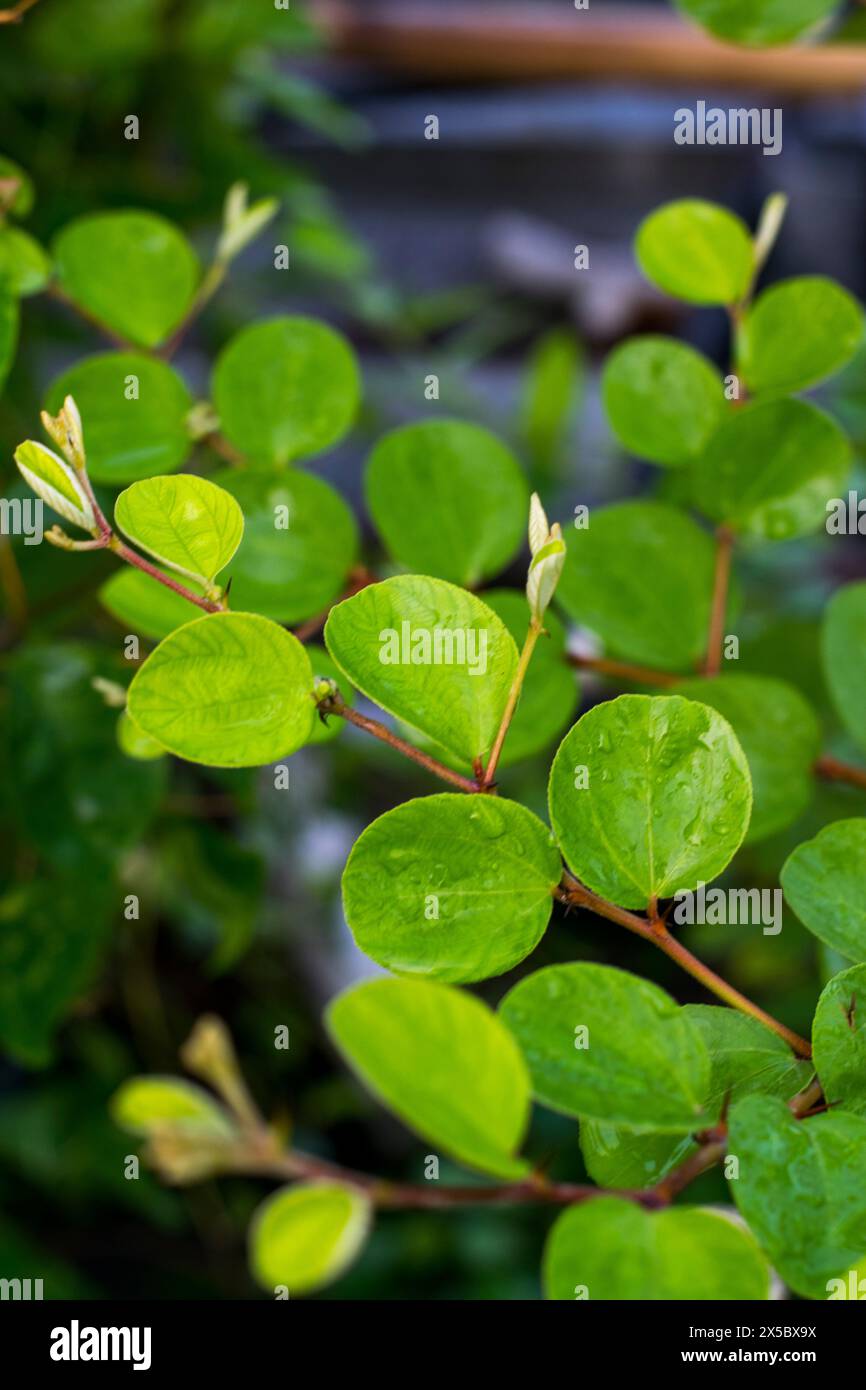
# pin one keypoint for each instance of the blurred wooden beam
(539, 42)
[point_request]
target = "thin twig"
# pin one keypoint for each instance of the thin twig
(117, 547)
(211, 281)
(335, 704)
(834, 770)
(534, 631)
(719, 606)
(621, 670)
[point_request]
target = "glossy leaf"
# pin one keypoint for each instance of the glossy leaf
(757, 23)
(286, 389)
(133, 271)
(696, 251)
(24, 266)
(441, 1061)
(662, 398)
(306, 1236)
(824, 881)
(839, 1040)
(843, 644)
(229, 689)
(387, 638)
(448, 498)
(797, 333)
(649, 796)
(602, 1043)
(452, 887)
(186, 523)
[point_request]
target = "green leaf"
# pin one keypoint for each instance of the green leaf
(797, 333)
(136, 744)
(387, 639)
(771, 468)
(610, 1248)
(127, 436)
(147, 1103)
(602, 1043)
(8, 331)
(757, 23)
(306, 1236)
(133, 271)
(441, 1061)
(745, 1057)
(55, 482)
(696, 251)
(801, 1189)
(453, 887)
(663, 399)
(604, 584)
(229, 690)
(549, 692)
(300, 541)
(186, 523)
(24, 265)
(143, 605)
(448, 498)
(286, 389)
(553, 389)
(22, 203)
(649, 796)
(843, 644)
(839, 1040)
(780, 736)
(824, 881)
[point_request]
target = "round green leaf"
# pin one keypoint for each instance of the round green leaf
(286, 389)
(186, 523)
(127, 438)
(602, 1043)
(605, 586)
(23, 264)
(771, 468)
(229, 689)
(780, 736)
(306, 1236)
(696, 251)
(662, 398)
(549, 692)
(453, 887)
(133, 271)
(431, 654)
(448, 499)
(824, 881)
(146, 1103)
(839, 1040)
(441, 1061)
(801, 1189)
(610, 1248)
(797, 333)
(649, 796)
(300, 541)
(843, 643)
(757, 23)
(143, 605)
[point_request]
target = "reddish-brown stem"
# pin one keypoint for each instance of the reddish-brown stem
(224, 448)
(719, 606)
(123, 551)
(621, 670)
(833, 770)
(335, 704)
(574, 893)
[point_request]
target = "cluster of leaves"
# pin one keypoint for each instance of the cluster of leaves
(649, 795)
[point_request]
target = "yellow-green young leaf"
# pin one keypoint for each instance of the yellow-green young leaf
(52, 479)
(24, 266)
(306, 1236)
(843, 645)
(780, 736)
(839, 1040)
(134, 411)
(801, 1189)
(663, 399)
(135, 743)
(286, 389)
(757, 23)
(602, 1043)
(603, 585)
(696, 251)
(229, 690)
(771, 468)
(134, 271)
(443, 1062)
(448, 498)
(649, 796)
(824, 881)
(610, 1248)
(452, 887)
(797, 333)
(143, 605)
(146, 1103)
(186, 523)
(300, 541)
(431, 654)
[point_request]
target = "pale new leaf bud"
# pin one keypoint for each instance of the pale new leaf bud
(56, 483)
(548, 558)
(241, 222)
(66, 431)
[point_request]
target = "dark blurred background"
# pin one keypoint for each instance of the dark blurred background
(451, 256)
